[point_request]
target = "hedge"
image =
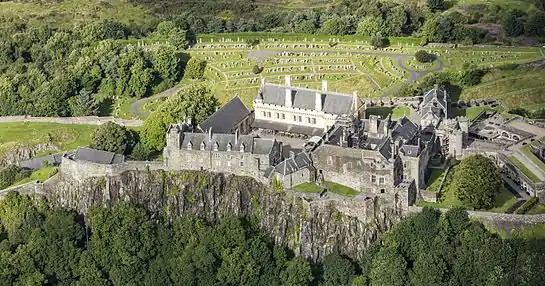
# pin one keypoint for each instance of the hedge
(528, 205)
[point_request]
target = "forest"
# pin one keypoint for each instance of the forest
(125, 245)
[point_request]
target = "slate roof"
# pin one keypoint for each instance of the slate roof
(304, 98)
(290, 165)
(435, 95)
(227, 117)
(37, 163)
(98, 156)
(261, 146)
(287, 127)
(410, 150)
(404, 129)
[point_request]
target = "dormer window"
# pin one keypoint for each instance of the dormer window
(189, 146)
(242, 147)
(203, 146)
(229, 146)
(216, 146)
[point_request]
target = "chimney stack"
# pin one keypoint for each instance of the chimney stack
(318, 102)
(289, 99)
(236, 136)
(210, 134)
(324, 85)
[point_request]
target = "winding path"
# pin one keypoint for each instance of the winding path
(136, 107)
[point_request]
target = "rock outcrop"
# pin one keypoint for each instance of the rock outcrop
(24, 153)
(309, 228)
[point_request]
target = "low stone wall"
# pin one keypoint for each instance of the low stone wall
(428, 196)
(81, 170)
(92, 120)
(26, 189)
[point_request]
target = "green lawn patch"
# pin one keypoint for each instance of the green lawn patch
(537, 209)
(40, 175)
(471, 113)
(332, 187)
(537, 231)
(528, 153)
(524, 169)
(396, 112)
(504, 200)
(64, 136)
(435, 179)
(400, 111)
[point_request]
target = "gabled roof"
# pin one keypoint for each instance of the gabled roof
(261, 146)
(435, 95)
(98, 156)
(291, 165)
(227, 117)
(304, 98)
(405, 129)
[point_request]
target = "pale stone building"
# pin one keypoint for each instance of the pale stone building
(289, 109)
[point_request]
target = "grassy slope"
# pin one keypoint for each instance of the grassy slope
(65, 136)
(333, 187)
(39, 175)
(524, 169)
(515, 88)
(70, 12)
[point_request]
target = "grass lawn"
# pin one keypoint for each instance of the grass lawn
(435, 180)
(537, 231)
(40, 175)
(528, 153)
(537, 209)
(524, 169)
(471, 113)
(65, 136)
(397, 112)
(333, 187)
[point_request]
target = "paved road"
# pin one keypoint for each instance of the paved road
(530, 165)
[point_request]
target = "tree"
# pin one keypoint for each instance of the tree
(337, 270)
(297, 273)
(476, 182)
(166, 62)
(140, 152)
(389, 268)
(378, 41)
(535, 25)
(194, 103)
(334, 26)
(436, 5)
(112, 137)
(83, 104)
(194, 68)
(424, 57)
(369, 26)
(513, 23)
(428, 269)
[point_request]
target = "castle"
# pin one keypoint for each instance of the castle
(298, 135)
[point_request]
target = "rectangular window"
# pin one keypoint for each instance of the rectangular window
(283, 116)
(300, 119)
(294, 118)
(269, 114)
(277, 115)
(242, 163)
(373, 179)
(313, 120)
(308, 120)
(263, 113)
(381, 180)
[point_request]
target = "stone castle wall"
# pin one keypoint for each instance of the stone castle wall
(81, 170)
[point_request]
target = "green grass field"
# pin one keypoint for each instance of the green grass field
(64, 136)
(517, 88)
(397, 112)
(40, 175)
(524, 170)
(537, 209)
(332, 187)
(528, 154)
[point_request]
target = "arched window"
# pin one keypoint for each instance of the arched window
(189, 146)
(216, 146)
(242, 146)
(229, 146)
(203, 146)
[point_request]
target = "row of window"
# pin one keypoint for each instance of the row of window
(295, 118)
(216, 146)
(381, 180)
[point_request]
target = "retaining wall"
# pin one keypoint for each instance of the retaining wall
(80, 170)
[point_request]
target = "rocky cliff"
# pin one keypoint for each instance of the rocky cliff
(22, 153)
(309, 229)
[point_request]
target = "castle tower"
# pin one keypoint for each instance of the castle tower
(174, 136)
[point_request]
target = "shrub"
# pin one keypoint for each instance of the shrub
(195, 68)
(10, 175)
(112, 137)
(378, 41)
(424, 57)
(528, 205)
(256, 69)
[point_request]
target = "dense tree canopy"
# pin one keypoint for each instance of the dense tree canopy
(191, 104)
(112, 137)
(477, 181)
(125, 245)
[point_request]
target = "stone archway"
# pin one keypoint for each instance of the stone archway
(505, 134)
(516, 137)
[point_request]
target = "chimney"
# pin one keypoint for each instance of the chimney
(236, 136)
(324, 85)
(318, 102)
(355, 97)
(210, 134)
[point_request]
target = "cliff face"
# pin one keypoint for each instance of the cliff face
(309, 229)
(24, 153)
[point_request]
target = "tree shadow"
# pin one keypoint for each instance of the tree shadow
(380, 111)
(106, 107)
